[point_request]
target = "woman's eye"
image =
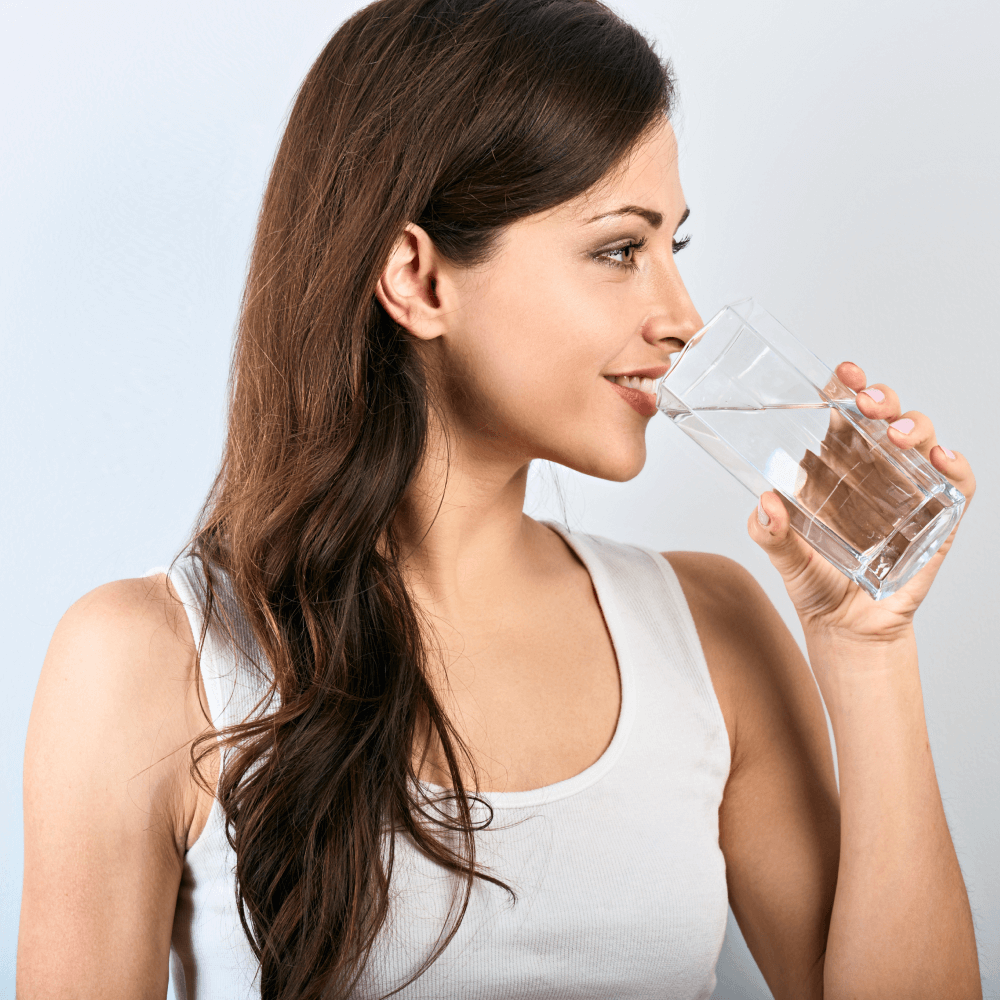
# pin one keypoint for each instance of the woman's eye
(627, 252)
(625, 256)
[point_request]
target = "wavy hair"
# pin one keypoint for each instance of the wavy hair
(462, 116)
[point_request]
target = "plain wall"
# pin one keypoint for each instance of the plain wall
(840, 160)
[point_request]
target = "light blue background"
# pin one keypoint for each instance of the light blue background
(841, 163)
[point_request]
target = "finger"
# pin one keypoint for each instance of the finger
(847, 375)
(954, 466)
(851, 375)
(878, 402)
(913, 430)
(789, 554)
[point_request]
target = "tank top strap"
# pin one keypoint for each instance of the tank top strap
(234, 670)
(652, 602)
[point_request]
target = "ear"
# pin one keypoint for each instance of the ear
(410, 286)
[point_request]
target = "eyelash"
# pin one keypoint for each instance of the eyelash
(637, 246)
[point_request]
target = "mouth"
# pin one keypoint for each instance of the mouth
(641, 378)
(636, 388)
(642, 383)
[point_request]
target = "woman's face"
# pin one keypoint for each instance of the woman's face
(575, 297)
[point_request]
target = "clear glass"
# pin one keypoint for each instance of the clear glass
(765, 407)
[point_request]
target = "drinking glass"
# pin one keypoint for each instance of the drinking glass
(764, 406)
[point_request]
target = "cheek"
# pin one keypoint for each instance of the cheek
(545, 328)
(533, 362)
(527, 367)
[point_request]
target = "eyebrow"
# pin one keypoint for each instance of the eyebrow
(655, 219)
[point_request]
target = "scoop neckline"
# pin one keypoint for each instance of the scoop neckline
(618, 635)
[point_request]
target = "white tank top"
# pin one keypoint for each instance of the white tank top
(620, 881)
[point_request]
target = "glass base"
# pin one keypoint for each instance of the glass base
(882, 570)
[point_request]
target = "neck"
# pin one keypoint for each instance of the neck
(461, 526)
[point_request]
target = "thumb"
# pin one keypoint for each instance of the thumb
(770, 527)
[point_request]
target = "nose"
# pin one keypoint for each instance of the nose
(674, 320)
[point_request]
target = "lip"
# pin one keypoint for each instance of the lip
(657, 372)
(641, 402)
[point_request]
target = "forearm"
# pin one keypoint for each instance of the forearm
(901, 924)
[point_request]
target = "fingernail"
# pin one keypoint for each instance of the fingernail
(950, 454)
(762, 517)
(904, 426)
(877, 394)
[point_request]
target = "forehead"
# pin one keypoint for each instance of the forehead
(648, 176)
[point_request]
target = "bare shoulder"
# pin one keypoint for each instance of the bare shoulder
(128, 641)
(143, 616)
(715, 582)
(732, 613)
(119, 682)
(753, 659)
(109, 801)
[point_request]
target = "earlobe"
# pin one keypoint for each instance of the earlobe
(408, 287)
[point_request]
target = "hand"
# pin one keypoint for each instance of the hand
(825, 599)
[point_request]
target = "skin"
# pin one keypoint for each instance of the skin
(838, 896)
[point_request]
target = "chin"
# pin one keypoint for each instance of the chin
(618, 463)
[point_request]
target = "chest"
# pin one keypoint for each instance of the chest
(616, 896)
(620, 890)
(536, 697)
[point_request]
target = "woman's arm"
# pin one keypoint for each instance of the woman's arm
(895, 907)
(861, 899)
(901, 911)
(108, 800)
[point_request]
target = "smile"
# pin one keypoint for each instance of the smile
(636, 390)
(632, 382)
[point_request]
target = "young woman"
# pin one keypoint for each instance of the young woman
(376, 729)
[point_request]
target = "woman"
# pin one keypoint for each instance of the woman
(377, 730)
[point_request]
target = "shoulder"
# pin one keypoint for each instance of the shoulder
(753, 660)
(730, 609)
(128, 642)
(117, 698)
(141, 615)
(109, 801)
(715, 581)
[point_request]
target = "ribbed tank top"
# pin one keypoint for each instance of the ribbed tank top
(620, 881)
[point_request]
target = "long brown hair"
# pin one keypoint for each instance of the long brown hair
(461, 116)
